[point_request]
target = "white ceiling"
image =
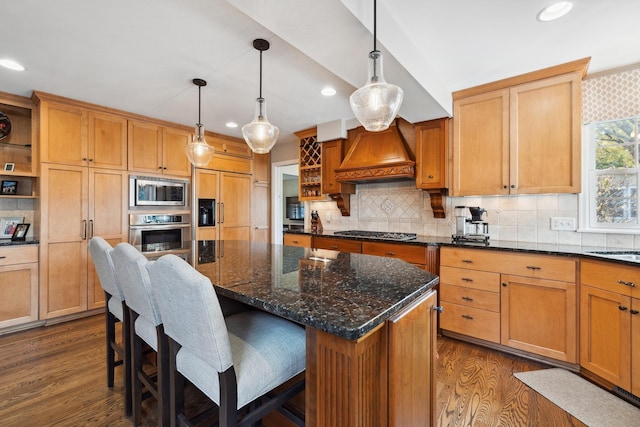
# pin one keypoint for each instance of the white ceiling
(140, 56)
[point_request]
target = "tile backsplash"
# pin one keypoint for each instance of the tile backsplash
(400, 207)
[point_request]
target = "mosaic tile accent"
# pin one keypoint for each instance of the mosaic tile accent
(391, 205)
(612, 96)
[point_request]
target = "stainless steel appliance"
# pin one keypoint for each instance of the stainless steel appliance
(472, 229)
(159, 233)
(150, 192)
(377, 235)
(295, 209)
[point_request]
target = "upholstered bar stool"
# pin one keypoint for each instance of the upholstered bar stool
(115, 311)
(235, 361)
(145, 327)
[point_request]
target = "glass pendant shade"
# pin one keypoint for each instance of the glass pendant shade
(198, 151)
(377, 103)
(260, 135)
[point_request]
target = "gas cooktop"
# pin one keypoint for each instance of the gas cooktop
(380, 235)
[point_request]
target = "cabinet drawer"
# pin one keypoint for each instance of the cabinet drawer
(341, 245)
(611, 277)
(539, 266)
(297, 240)
(409, 253)
(469, 321)
(470, 297)
(482, 280)
(21, 254)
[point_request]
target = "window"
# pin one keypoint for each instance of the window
(612, 169)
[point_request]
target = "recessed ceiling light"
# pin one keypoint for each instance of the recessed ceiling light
(232, 125)
(554, 11)
(10, 64)
(328, 91)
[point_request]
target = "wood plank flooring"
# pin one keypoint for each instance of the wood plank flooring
(55, 376)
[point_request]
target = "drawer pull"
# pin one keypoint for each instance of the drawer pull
(635, 311)
(467, 261)
(438, 308)
(466, 279)
(533, 267)
(467, 298)
(2, 257)
(294, 241)
(466, 316)
(630, 284)
(389, 253)
(334, 246)
(622, 308)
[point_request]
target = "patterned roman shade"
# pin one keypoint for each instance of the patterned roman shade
(611, 96)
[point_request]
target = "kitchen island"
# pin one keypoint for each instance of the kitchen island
(370, 325)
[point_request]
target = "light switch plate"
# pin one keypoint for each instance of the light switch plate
(562, 223)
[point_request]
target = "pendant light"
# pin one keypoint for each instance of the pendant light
(376, 104)
(260, 134)
(198, 151)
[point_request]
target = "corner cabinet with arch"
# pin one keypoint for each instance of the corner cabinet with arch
(519, 135)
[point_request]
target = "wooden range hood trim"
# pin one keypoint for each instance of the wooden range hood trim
(377, 156)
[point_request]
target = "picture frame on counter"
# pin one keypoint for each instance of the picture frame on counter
(8, 226)
(9, 167)
(9, 188)
(20, 232)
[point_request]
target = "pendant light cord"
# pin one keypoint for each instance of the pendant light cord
(375, 38)
(260, 74)
(199, 104)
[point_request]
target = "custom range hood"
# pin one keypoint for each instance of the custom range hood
(377, 156)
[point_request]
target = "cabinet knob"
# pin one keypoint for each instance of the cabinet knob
(622, 308)
(513, 186)
(505, 187)
(430, 176)
(504, 285)
(438, 308)
(160, 167)
(84, 159)
(634, 311)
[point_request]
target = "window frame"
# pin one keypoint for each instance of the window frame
(587, 198)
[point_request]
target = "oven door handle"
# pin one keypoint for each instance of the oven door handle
(158, 227)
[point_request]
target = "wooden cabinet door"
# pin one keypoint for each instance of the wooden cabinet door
(539, 316)
(545, 135)
(261, 168)
(235, 206)
(301, 240)
(107, 141)
(332, 155)
(635, 346)
(412, 356)
(174, 159)
(63, 130)
(431, 153)
(145, 147)
(63, 240)
(108, 205)
(605, 347)
(261, 198)
(18, 285)
(481, 144)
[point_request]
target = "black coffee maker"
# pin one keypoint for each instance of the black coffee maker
(476, 226)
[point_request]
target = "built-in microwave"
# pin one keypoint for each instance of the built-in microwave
(147, 191)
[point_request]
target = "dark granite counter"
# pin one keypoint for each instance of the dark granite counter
(628, 256)
(341, 293)
(9, 242)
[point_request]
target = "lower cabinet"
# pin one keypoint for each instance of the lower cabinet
(610, 323)
(76, 204)
(18, 285)
(510, 299)
(302, 240)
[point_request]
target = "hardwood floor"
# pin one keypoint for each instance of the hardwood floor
(56, 376)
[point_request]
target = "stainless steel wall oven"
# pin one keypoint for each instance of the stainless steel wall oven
(159, 233)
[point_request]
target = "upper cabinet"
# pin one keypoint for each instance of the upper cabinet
(157, 149)
(77, 136)
(519, 135)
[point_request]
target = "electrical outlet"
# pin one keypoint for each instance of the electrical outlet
(562, 223)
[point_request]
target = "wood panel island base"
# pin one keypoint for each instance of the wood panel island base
(370, 323)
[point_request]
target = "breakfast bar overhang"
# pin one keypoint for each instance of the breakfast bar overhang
(370, 324)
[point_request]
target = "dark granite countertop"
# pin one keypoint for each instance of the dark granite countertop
(341, 293)
(9, 242)
(590, 252)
